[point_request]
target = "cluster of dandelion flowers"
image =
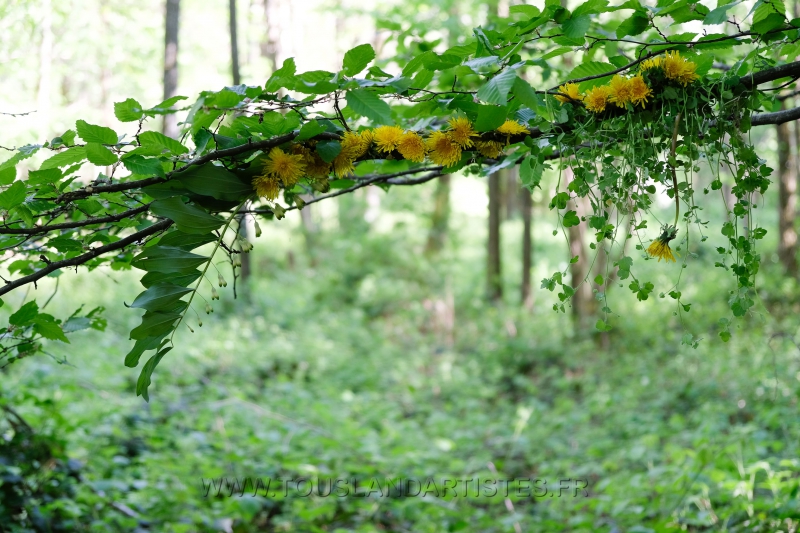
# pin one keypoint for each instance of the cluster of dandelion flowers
(569, 92)
(354, 145)
(279, 168)
(660, 247)
(675, 67)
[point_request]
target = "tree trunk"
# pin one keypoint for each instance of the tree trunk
(234, 43)
(45, 70)
(582, 300)
(494, 282)
(787, 199)
(440, 218)
(526, 206)
(172, 19)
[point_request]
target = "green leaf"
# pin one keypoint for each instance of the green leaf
(25, 314)
(47, 327)
(159, 296)
(188, 218)
(602, 326)
(143, 166)
(8, 175)
(357, 59)
(176, 278)
(591, 7)
(128, 111)
(592, 68)
(13, 196)
(214, 181)
(530, 172)
(328, 150)
(159, 139)
(719, 15)
(310, 129)
(367, 104)
(164, 107)
(154, 324)
(97, 154)
(768, 16)
(495, 91)
(168, 259)
(526, 94)
(281, 77)
(576, 27)
(490, 118)
(22, 153)
(571, 219)
(141, 346)
(70, 156)
(599, 279)
(147, 371)
(40, 177)
(633, 25)
(186, 241)
(95, 134)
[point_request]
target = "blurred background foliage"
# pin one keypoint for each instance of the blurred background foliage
(364, 344)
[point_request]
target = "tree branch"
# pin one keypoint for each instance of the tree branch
(83, 258)
(79, 224)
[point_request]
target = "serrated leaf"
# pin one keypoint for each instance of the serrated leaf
(159, 139)
(164, 107)
(357, 59)
(214, 181)
(168, 259)
(40, 177)
(128, 111)
(530, 172)
(12, 161)
(160, 296)
(187, 218)
(97, 154)
(591, 68)
(25, 314)
(13, 196)
(576, 26)
(495, 91)
(186, 241)
(143, 166)
(282, 77)
(328, 150)
(591, 7)
(95, 134)
(526, 94)
(70, 156)
(368, 104)
(47, 327)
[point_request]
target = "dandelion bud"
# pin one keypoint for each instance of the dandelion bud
(222, 282)
(209, 309)
(214, 294)
(258, 230)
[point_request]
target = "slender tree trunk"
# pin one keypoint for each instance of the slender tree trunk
(494, 282)
(45, 69)
(526, 206)
(172, 18)
(787, 199)
(440, 218)
(234, 42)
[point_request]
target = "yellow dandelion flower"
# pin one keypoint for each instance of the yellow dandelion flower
(354, 145)
(461, 131)
(316, 167)
(620, 90)
(288, 168)
(443, 149)
(640, 92)
(569, 93)
(387, 137)
(343, 165)
(489, 148)
(597, 98)
(688, 74)
(653, 62)
(512, 127)
(267, 186)
(412, 147)
(660, 247)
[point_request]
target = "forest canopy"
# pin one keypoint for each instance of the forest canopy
(626, 103)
